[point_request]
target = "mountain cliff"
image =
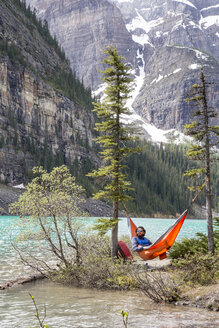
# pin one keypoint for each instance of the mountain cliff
(166, 41)
(177, 36)
(84, 29)
(45, 115)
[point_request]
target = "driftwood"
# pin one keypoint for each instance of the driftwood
(23, 280)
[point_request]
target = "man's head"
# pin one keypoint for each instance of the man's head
(140, 231)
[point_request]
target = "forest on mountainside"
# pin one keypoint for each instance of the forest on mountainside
(62, 78)
(157, 175)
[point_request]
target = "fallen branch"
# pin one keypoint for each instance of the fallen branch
(23, 280)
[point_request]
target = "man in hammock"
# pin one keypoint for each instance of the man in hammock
(140, 242)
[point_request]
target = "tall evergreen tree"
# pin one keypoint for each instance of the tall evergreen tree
(206, 136)
(114, 137)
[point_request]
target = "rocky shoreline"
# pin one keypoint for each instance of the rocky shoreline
(206, 297)
(93, 207)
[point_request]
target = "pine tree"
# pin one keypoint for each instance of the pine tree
(206, 136)
(114, 138)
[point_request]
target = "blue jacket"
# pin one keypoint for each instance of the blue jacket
(139, 243)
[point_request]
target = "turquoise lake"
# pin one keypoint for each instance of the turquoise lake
(154, 228)
(10, 262)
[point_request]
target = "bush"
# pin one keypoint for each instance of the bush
(198, 269)
(158, 286)
(189, 246)
(197, 245)
(97, 268)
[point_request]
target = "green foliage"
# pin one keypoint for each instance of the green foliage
(198, 269)
(2, 141)
(125, 318)
(71, 86)
(97, 270)
(205, 136)
(42, 27)
(157, 177)
(37, 315)
(191, 257)
(12, 51)
(62, 78)
(102, 225)
(192, 246)
(189, 246)
(114, 134)
(51, 202)
(204, 133)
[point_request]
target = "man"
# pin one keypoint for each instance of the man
(140, 242)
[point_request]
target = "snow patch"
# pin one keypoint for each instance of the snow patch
(208, 21)
(142, 39)
(140, 22)
(100, 90)
(160, 77)
(139, 80)
(20, 186)
(157, 135)
(199, 54)
(179, 24)
(158, 34)
(194, 25)
(186, 2)
(194, 66)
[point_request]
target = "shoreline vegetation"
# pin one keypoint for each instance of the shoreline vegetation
(206, 297)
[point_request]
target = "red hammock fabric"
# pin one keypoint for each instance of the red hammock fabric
(160, 247)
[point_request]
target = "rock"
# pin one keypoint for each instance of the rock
(213, 304)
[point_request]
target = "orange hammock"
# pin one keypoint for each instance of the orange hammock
(163, 243)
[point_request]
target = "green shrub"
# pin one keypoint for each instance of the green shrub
(189, 246)
(97, 270)
(198, 269)
(195, 245)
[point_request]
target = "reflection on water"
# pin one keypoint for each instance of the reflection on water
(80, 308)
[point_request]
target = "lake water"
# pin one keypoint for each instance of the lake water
(81, 308)
(10, 263)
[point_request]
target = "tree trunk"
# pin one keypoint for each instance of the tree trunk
(114, 235)
(209, 222)
(207, 166)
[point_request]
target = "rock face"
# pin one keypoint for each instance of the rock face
(84, 29)
(166, 41)
(177, 37)
(36, 121)
(42, 116)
